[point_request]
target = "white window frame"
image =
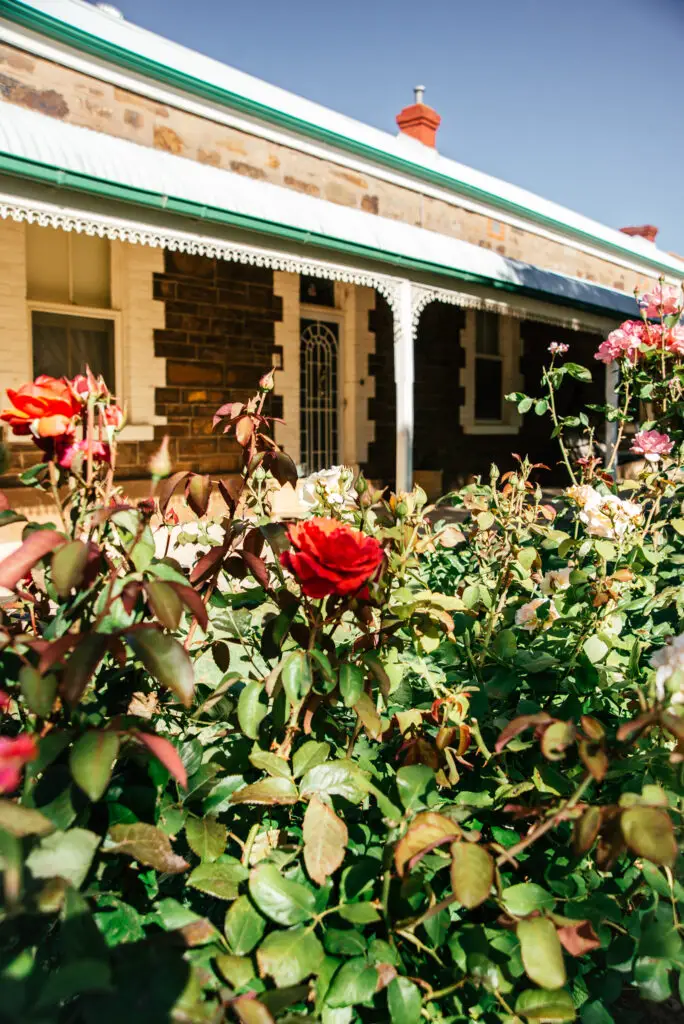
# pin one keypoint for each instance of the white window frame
(509, 349)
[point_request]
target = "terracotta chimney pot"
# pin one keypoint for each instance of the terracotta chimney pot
(419, 121)
(648, 231)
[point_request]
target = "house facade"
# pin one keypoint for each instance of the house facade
(181, 227)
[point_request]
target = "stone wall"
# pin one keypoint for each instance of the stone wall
(218, 339)
(78, 99)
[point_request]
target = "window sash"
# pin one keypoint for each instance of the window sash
(63, 343)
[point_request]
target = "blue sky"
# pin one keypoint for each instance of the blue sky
(581, 101)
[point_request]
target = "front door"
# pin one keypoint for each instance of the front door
(319, 384)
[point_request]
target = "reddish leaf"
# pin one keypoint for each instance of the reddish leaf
(167, 487)
(205, 565)
(519, 725)
(198, 492)
(130, 594)
(231, 490)
(230, 409)
(629, 730)
(253, 542)
(244, 428)
(165, 752)
(281, 467)
(257, 567)
(165, 603)
(579, 938)
(17, 565)
(193, 602)
(55, 651)
(81, 665)
(4, 502)
(594, 759)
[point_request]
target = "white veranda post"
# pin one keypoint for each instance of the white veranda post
(403, 377)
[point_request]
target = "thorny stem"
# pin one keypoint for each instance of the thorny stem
(546, 825)
(621, 429)
(554, 418)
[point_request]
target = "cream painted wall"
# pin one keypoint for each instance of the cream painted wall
(134, 310)
(15, 348)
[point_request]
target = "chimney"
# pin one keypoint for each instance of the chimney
(419, 121)
(648, 231)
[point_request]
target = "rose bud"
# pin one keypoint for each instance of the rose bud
(160, 463)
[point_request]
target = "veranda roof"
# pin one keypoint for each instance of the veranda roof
(66, 160)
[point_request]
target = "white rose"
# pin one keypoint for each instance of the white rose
(527, 618)
(333, 486)
(555, 580)
(666, 662)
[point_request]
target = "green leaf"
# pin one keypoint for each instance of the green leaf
(165, 659)
(244, 926)
(595, 649)
(73, 979)
(359, 913)
(81, 665)
(412, 781)
(485, 520)
(281, 900)
(237, 970)
(541, 952)
(23, 821)
(653, 979)
(38, 691)
(648, 832)
(309, 755)
(68, 566)
(521, 900)
(296, 676)
(265, 761)
(344, 942)
(91, 761)
(146, 844)
(66, 855)
(267, 791)
(335, 778)
(206, 837)
(472, 873)
(536, 1004)
(290, 956)
(353, 983)
(351, 683)
(165, 603)
(251, 709)
(404, 1001)
(578, 372)
(219, 878)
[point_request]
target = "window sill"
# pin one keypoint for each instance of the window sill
(131, 432)
(490, 428)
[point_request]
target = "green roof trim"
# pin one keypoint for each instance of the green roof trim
(62, 32)
(59, 178)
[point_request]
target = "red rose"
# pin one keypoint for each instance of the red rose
(329, 557)
(46, 408)
(14, 754)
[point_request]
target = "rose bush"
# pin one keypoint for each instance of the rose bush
(347, 760)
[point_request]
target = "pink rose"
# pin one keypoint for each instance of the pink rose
(558, 348)
(651, 444)
(675, 340)
(14, 754)
(67, 453)
(662, 300)
(623, 342)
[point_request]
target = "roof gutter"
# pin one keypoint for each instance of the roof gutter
(62, 32)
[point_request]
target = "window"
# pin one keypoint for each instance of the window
(488, 368)
(319, 397)
(64, 345)
(316, 291)
(68, 286)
